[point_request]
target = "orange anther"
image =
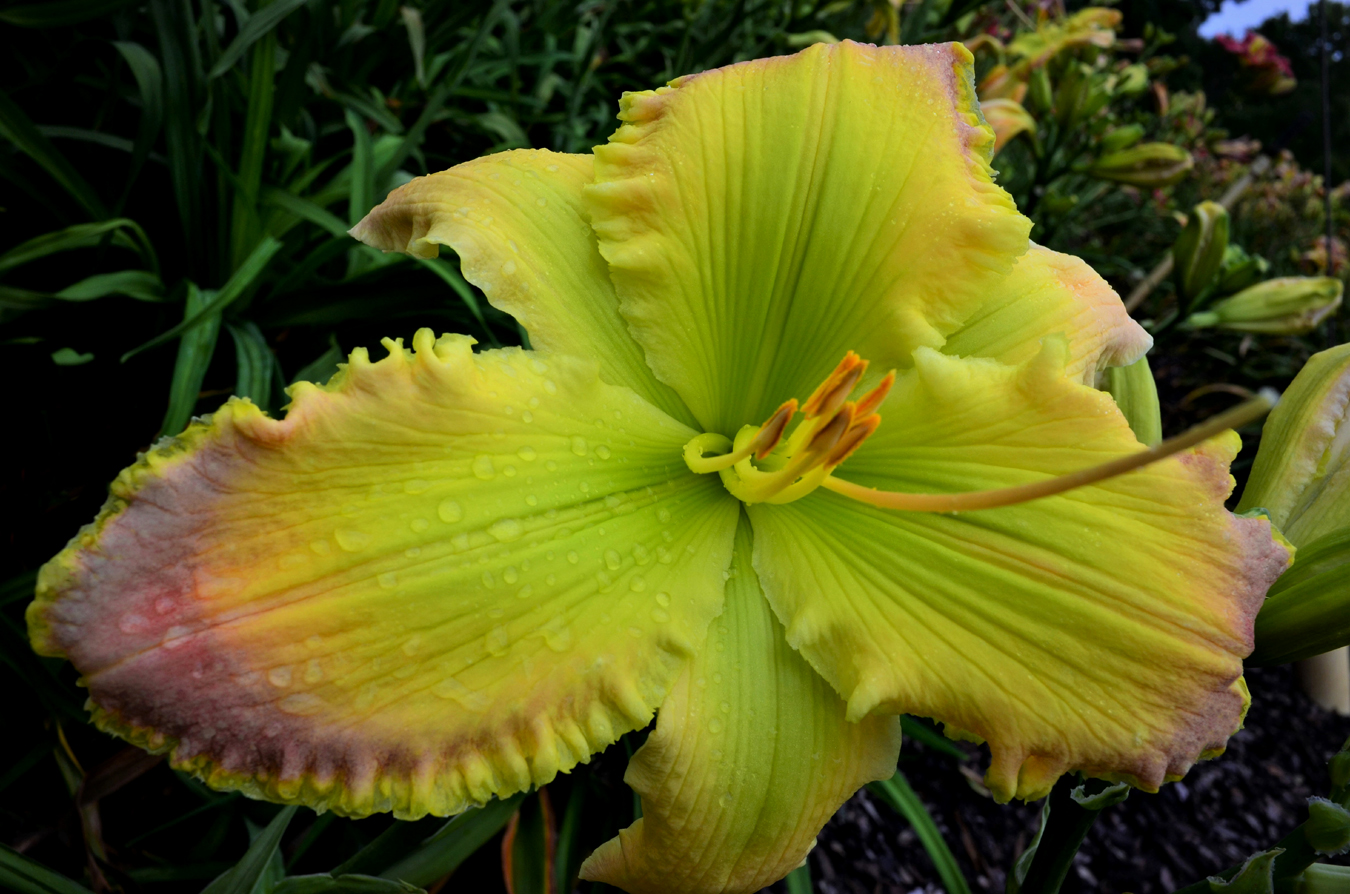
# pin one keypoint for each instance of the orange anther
(869, 402)
(771, 432)
(852, 440)
(829, 436)
(836, 388)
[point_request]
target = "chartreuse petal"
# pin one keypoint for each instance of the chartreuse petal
(1302, 471)
(1049, 293)
(1100, 630)
(433, 582)
(517, 223)
(750, 757)
(762, 219)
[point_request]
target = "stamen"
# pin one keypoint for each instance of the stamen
(872, 400)
(768, 436)
(849, 371)
(1010, 496)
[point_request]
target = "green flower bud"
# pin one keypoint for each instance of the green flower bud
(1239, 270)
(1149, 165)
(1136, 394)
(1122, 137)
(1323, 878)
(1199, 251)
(1132, 81)
(1302, 479)
(1289, 305)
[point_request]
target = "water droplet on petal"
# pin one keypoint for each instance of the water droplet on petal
(525, 592)
(134, 623)
(280, 677)
(450, 688)
(388, 580)
(715, 725)
(417, 486)
(603, 452)
(313, 671)
(301, 703)
(506, 529)
(483, 468)
(641, 554)
(637, 584)
(527, 453)
(351, 540)
(663, 599)
(660, 615)
(450, 511)
(663, 515)
(511, 575)
(421, 524)
(613, 561)
(498, 641)
(572, 557)
(412, 645)
(578, 445)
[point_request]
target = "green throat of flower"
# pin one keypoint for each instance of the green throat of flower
(763, 466)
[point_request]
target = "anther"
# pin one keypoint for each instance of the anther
(836, 387)
(872, 400)
(852, 439)
(771, 432)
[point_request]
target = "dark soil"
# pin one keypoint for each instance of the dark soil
(1225, 809)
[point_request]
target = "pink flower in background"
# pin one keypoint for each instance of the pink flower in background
(1270, 72)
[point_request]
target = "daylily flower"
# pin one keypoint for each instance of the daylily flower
(1270, 72)
(784, 324)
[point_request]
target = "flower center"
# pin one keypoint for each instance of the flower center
(791, 467)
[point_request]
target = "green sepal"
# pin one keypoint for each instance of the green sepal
(1328, 827)
(1239, 270)
(1136, 393)
(1257, 875)
(1323, 878)
(1307, 611)
(1198, 253)
(1107, 797)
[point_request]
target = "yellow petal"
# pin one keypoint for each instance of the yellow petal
(431, 583)
(1100, 630)
(750, 757)
(1049, 293)
(516, 221)
(760, 220)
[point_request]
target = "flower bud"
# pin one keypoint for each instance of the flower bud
(1239, 270)
(1301, 478)
(1122, 137)
(1008, 118)
(1199, 251)
(1002, 83)
(1132, 81)
(1136, 394)
(1149, 165)
(1290, 305)
(1328, 826)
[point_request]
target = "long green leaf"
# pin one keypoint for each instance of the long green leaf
(24, 876)
(60, 13)
(897, 792)
(150, 82)
(321, 368)
(241, 878)
(452, 278)
(260, 24)
(343, 884)
(233, 289)
(67, 239)
(361, 198)
(139, 284)
(921, 732)
(257, 124)
(16, 127)
(442, 853)
(255, 363)
(178, 51)
(194, 356)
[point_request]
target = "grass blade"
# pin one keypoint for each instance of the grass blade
(442, 853)
(241, 878)
(233, 289)
(417, 41)
(194, 356)
(321, 368)
(150, 82)
(139, 284)
(361, 198)
(897, 793)
(454, 280)
(257, 124)
(921, 732)
(343, 884)
(60, 13)
(25, 876)
(260, 24)
(16, 127)
(799, 880)
(77, 236)
(178, 52)
(255, 363)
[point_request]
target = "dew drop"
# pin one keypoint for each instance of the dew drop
(557, 635)
(163, 605)
(509, 268)
(539, 368)
(528, 454)
(417, 486)
(302, 703)
(726, 799)
(541, 201)
(525, 592)
(483, 468)
(497, 641)
(488, 580)
(134, 623)
(413, 552)
(663, 555)
(663, 515)
(637, 584)
(321, 547)
(506, 529)
(551, 580)
(663, 599)
(314, 641)
(578, 445)
(606, 582)
(412, 645)
(715, 725)
(551, 466)
(388, 580)
(572, 557)
(450, 688)
(640, 554)
(280, 677)
(527, 416)
(511, 575)
(351, 540)
(420, 524)
(726, 707)
(175, 636)
(612, 501)
(660, 615)
(313, 671)
(613, 561)
(449, 511)
(603, 452)
(531, 500)
(550, 386)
